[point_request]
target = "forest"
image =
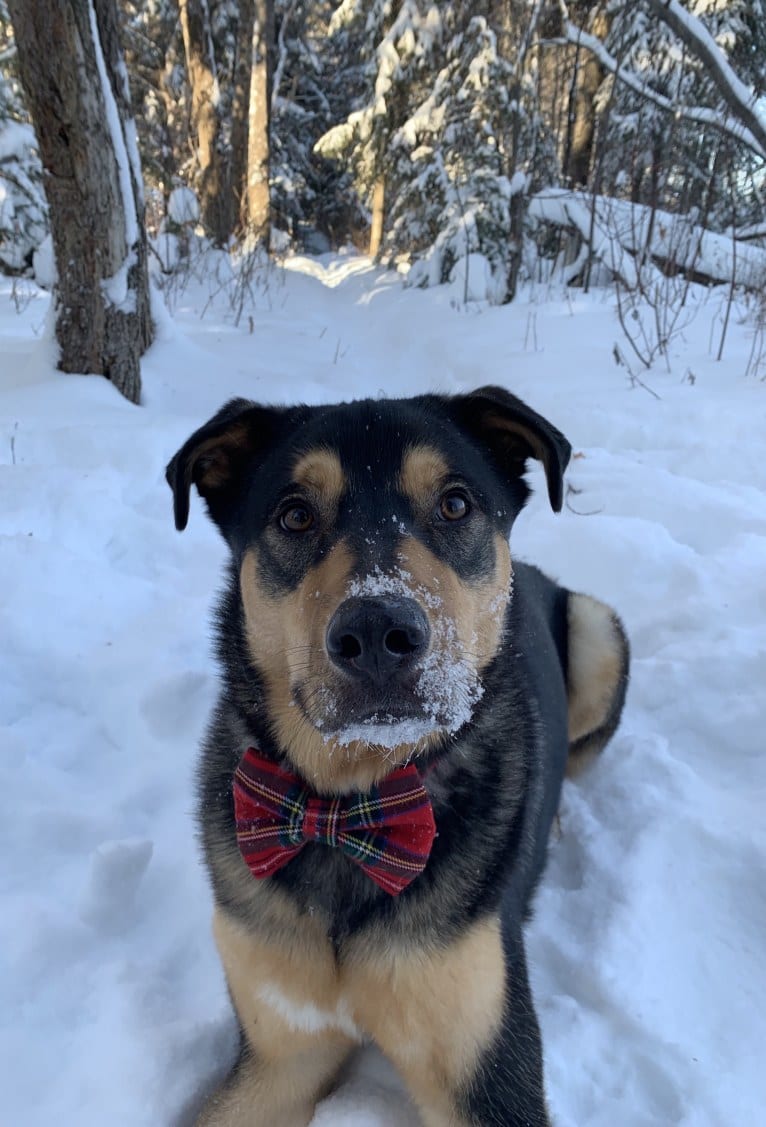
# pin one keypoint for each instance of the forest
(617, 143)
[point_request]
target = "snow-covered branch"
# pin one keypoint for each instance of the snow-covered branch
(731, 124)
(740, 100)
(279, 69)
(620, 233)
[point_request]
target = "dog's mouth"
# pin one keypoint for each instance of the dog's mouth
(386, 723)
(439, 697)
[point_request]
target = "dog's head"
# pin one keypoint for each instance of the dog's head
(371, 544)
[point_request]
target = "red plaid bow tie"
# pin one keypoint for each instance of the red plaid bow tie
(388, 832)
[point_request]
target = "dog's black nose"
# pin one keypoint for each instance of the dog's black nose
(377, 637)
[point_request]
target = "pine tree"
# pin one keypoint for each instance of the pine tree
(154, 53)
(310, 195)
(392, 43)
(23, 210)
(448, 122)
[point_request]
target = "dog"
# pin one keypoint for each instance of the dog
(400, 704)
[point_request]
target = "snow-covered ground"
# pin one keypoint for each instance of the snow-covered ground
(647, 950)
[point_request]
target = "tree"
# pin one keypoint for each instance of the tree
(155, 57)
(448, 120)
(257, 194)
(23, 211)
(207, 125)
(692, 49)
(311, 87)
(394, 45)
(76, 86)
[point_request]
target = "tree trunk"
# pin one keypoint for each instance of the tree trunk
(519, 204)
(378, 214)
(259, 120)
(76, 85)
(240, 109)
(587, 78)
(214, 198)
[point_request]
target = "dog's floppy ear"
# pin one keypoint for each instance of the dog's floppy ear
(216, 456)
(511, 433)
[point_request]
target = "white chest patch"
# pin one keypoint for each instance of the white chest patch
(305, 1017)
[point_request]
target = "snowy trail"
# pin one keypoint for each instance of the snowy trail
(647, 949)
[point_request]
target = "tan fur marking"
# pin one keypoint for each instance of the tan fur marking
(321, 472)
(286, 640)
(290, 1065)
(477, 610)
(432, 1012)
(595, 664)
(423, 472)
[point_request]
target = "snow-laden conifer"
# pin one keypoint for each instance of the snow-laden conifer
(23, 210)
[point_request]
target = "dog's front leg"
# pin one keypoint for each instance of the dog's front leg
(295, 1036)
(458, 1023)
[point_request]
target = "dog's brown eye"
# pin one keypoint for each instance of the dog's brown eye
(453, 506)
(297, 519)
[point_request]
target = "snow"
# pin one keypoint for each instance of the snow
(44, 264)
(116, 290)
(646, 950)
(619, 230)
(16, 139)
(473, 279)
(183, 206)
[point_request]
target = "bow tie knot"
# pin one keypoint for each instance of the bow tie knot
(388, 831)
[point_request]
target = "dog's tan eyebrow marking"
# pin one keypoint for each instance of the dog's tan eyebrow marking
(423, 471)
(320, 470)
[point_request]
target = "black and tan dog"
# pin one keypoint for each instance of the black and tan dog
(374, 620)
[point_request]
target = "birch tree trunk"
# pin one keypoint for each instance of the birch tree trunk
(75, 81)
(215, 202)
(259, 120)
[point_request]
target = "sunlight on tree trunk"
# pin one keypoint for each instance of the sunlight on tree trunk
(240, 109)
(378, 213)
(588, 76)
(259, 118)
(213, 195)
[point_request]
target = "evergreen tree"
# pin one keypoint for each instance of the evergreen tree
(449, 122)
(23, 210)
(154, 53)
(311, 195)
